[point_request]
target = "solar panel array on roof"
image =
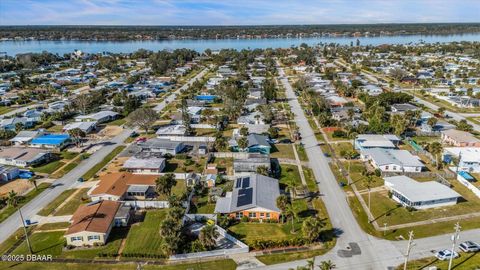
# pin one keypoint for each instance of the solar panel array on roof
(244, 197)
(246, 182)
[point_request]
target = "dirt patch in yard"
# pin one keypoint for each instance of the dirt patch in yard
(114, 166)
(110, 131)
(20, 186)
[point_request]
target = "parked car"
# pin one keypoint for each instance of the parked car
(469, 246)
(141, 139)
(445, 254)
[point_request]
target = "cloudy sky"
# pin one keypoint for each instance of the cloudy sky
(234, 12)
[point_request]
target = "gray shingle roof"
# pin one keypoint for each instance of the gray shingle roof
(250, 192)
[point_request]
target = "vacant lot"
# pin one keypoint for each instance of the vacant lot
(282, 151)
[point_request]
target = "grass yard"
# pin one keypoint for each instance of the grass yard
(52, 206)
(282, 151)
(144, 237)
(466, 261)
(360, 181)
(302, 155)
(388, 211)
(185, 165)
(91, 173)
(47, 243)
(227, 264)
(289, 173)
(209, 132)
(310, 179)
(63, 266)
(341, 148)
(277, 258)
(9, 210)
(68, 155)
(12, 239)
(49, 167)
(72, 205)
(224, 165)
(5, 109)
(177, 190)
(118, 122)
(66, 169)
(53, 226)
(426, 139)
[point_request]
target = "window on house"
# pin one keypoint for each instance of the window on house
(268, 215)
(76, 238)
(252, 215)
(93, 237)
(239, 214)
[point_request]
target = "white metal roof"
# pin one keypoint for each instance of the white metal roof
(416, 191)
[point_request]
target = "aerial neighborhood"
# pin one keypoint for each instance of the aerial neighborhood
(242, 158)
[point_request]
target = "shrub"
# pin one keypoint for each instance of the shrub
(339, 134)
(244, 219)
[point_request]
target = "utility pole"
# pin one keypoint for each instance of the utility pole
(409, 247)
(455, 237)
(25, 230)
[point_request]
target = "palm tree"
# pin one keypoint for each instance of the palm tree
(263, 170)
(282, 202)
(33, 181)
(290, 212)
(311, 264)
(436, 149)
(432, 121)
(312, 228)
(165, 183)
(208, 236)
(243, 143)
(12, 198)
(291, 187)
(327, 265)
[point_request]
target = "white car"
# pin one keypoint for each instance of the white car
(469, 246)
(445, 254)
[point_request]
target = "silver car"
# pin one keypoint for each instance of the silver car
(469, 246)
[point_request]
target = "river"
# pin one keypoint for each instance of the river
(61, 47)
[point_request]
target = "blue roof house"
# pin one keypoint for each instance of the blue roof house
(53, 141)
(207, 98)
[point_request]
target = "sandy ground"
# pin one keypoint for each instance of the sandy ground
(110, 132)
(114, 166)
(20, 186)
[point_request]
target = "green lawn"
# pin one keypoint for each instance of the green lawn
(249, 232)
(63, 266)
(361, 181)
(118, 122)
(177, 190)
(60, 173)
(53, 226)
(282, 151)
(52, 206)
(71, 206)
(49, 167)
(302, 155)
(227, 264)
(5, 109)
(7, 211)
(12, 239)
(466, 261)
(110, 249)
(144, 237)
(310, 179)
(277, 258)
(191, 164)
(91, 173)
(388, 211)
(338, 148)
(48, 243)
(289, 173)
(68, 155)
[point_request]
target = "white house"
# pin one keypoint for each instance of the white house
(420, 195)
(392, 160)
(145, 165)
(468, 157)
(366, 141)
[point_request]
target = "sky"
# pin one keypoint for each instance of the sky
(234, 12)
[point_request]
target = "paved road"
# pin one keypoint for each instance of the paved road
(69, 180)
(374, 253)
(173, 95)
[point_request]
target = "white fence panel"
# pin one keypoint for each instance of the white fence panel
(469, 185)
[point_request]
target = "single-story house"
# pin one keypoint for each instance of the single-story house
(8, 173)
(93, 222)
(22, 156)
(86, 127)
(163, 146)
(403, 107)
(392, 160)
(459, 138)
(468, 158)
(11, 123)
(145, 164)
(258, 144)
(366, 141)
(253, 196)
(251, 163)
(171, 130)
(99, 117)
(25, 136)
(420, 195)
(123, 186)
(54, 141)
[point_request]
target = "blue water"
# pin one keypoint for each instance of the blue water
(62, 47)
